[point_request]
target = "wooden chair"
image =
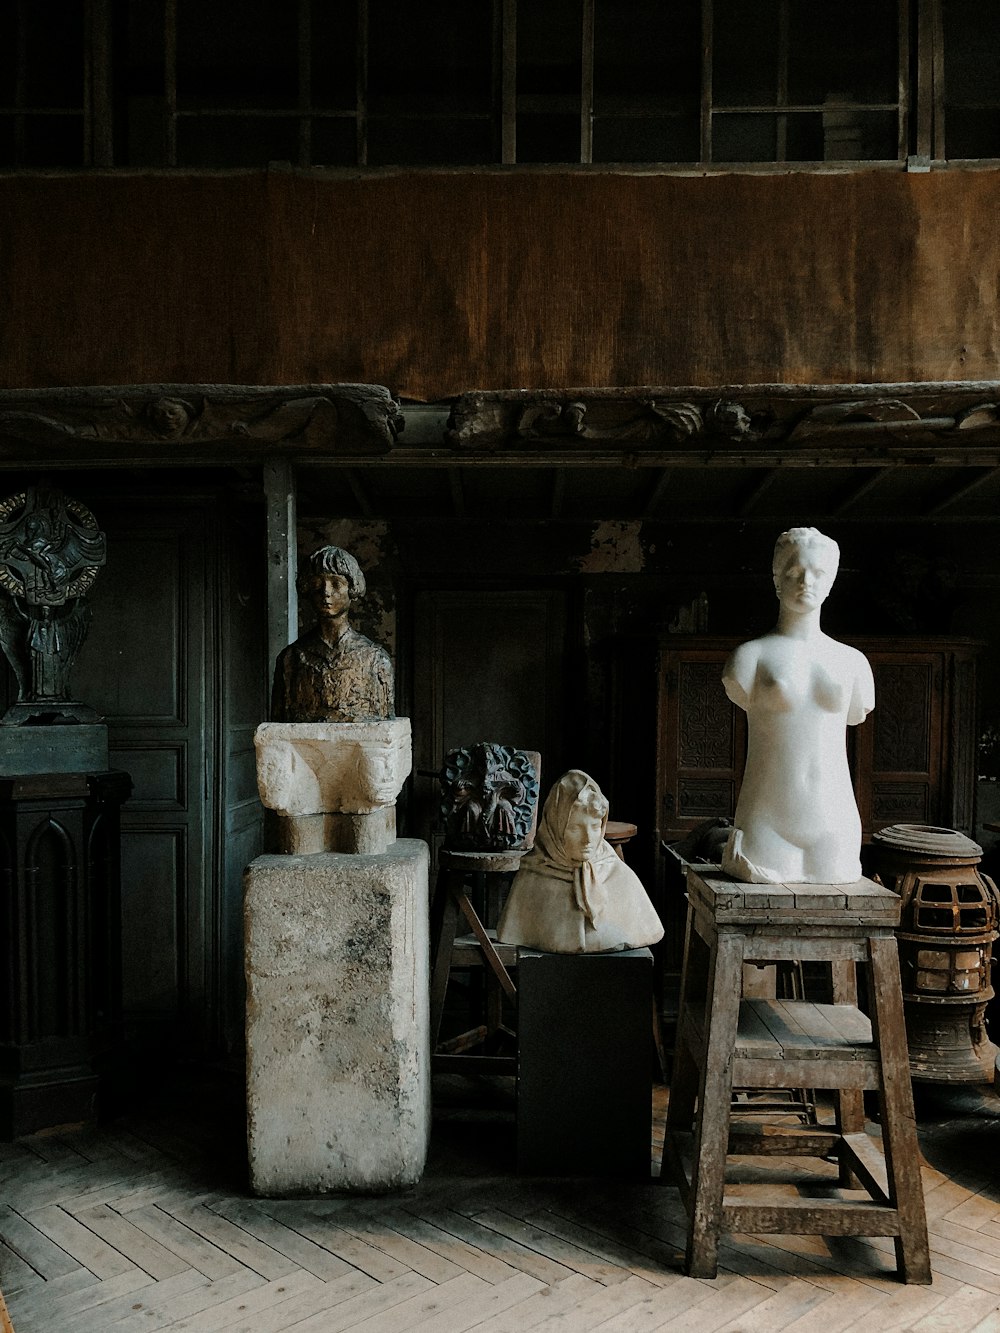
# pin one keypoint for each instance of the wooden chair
(725, 1039)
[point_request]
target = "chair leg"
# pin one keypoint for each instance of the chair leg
(899, 1133)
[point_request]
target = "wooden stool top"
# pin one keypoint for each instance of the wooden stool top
(792, 906)
(619, 830)
(482, 863)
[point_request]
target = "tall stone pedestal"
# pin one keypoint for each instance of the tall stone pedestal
(584, 1063)
(338, 1035)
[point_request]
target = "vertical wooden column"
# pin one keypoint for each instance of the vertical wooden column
(282, 557)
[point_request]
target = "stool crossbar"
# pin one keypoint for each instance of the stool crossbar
(726, 1041)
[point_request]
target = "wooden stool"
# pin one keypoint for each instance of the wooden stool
(725, 1040)
(619, 833)
(492, 873)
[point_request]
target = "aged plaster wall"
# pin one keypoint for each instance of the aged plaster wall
(440, 282)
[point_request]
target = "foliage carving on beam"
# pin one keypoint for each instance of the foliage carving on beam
(747, 418)
(212, 420)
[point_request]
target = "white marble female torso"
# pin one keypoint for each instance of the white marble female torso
(797, 818)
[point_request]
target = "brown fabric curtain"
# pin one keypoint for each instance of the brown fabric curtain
(437, 283)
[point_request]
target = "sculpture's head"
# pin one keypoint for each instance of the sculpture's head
(804, 567)
(574, 817)
(331, 580)
(170, 416)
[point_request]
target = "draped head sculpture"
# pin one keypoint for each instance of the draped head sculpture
(572, 892)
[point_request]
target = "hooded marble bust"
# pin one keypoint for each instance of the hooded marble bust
(572, 892)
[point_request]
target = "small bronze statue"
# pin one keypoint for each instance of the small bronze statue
(332, 673)
(50, 552)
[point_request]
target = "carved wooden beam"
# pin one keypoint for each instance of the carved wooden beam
(762, 426)
(758, 425)
(163, 423)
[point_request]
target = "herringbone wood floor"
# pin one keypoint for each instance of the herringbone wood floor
(146, 1224)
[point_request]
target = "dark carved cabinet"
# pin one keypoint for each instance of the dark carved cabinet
(60, 945)
(913, 759)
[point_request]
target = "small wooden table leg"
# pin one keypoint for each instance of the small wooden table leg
(899, 1132)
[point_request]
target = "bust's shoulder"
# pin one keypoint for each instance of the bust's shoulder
(353, 641)
(742, 661)
(740, 670)
(850, 657)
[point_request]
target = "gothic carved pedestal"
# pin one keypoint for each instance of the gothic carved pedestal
(60, 945)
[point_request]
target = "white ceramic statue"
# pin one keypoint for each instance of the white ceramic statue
(572, 892)
(797, 820)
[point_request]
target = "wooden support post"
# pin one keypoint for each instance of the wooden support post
(282, 558)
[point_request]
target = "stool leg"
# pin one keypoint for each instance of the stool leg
(448, 907)
(711, 1140)
(684, 1077)
(899, 1132)
(848, 1103)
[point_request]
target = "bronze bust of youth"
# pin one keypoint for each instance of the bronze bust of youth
(332, 673)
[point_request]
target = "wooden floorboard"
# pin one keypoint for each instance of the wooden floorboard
(146, 1223)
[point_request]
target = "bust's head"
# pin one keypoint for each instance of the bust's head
(804, 567)
(331, 580)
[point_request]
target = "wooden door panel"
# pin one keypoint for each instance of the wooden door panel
(145, 667)
(154, 891)
(134, 665)
(158, 772)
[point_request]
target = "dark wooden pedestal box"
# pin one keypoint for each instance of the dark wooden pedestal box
(60, 945)
(584, 1055)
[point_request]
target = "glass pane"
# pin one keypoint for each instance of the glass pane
(334, 54)
(971, 57)
(230, 54)
(646, 139)
(737, 138)
(647, 53)
(53, 141)
(429, 142)
(856, 136)
(139, 49)
(335, 142)
(548, 138)
(550, 50)
(54, 53)
(745, 56)
(8, 54)
(804, 140)
(440, 50)
(972, 133)
(236, 141)
(847, 51)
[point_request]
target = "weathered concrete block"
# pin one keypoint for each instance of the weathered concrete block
(338, 1035)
